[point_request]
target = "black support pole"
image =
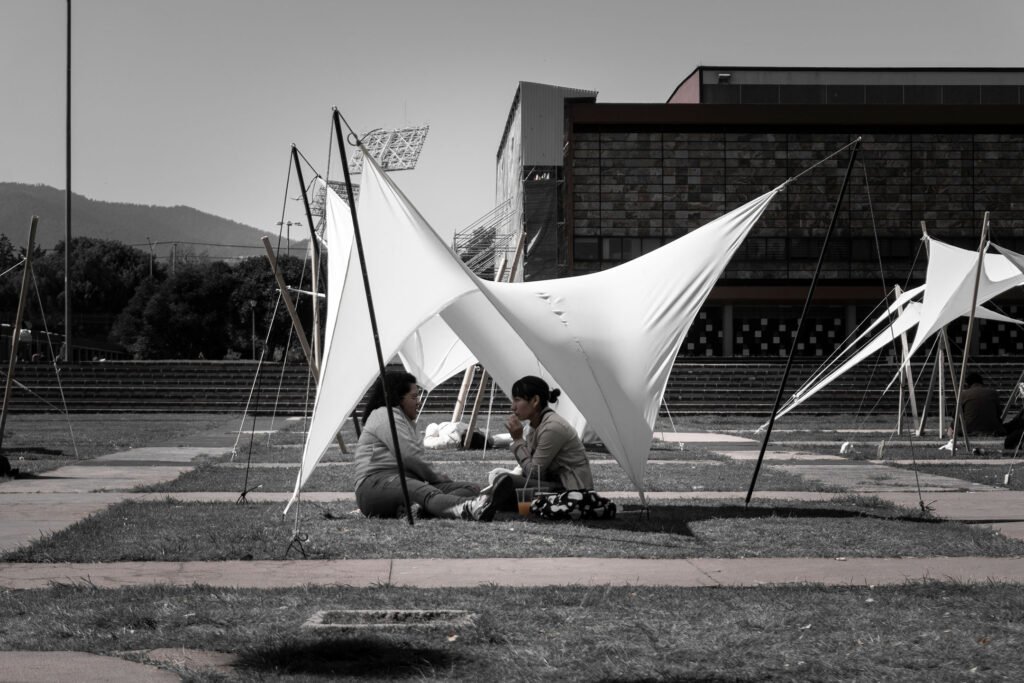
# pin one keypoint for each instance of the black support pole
(305, 203)
(315, 268)
(373, 317)
(67, 356)
(803, 318)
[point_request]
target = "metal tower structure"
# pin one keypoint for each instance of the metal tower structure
(393, 150)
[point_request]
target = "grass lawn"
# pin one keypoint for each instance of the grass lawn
(916, 632)
(42, 442)
(930, 631)
(176, 531)
(718, 474)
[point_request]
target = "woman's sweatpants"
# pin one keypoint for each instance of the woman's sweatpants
(380, 495)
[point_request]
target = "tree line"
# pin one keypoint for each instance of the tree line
(196, 307)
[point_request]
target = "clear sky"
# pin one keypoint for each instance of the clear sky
(197, 102)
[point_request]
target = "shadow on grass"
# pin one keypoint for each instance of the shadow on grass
(379, 658)
(683, 678)
(676, 519)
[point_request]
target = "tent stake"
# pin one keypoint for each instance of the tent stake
(388, 401)
(803, 317)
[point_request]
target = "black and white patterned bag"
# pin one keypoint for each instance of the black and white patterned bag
(573, 505)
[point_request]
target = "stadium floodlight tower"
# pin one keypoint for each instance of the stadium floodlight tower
(397, 149)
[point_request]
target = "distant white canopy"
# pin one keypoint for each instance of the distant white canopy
(945, 296)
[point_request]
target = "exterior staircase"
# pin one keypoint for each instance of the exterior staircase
(737, 386)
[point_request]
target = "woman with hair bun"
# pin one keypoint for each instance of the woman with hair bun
(552, 451)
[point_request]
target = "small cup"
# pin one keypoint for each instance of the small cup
(524, 507)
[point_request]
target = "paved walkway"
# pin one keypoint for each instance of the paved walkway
(37, 506)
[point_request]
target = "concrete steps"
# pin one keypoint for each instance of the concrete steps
(718, 386)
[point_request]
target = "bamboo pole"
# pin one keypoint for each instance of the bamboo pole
(499, 276)
(477, 402)
(928, 397)
(16, 330)
(982, 245)
(296, 323)
(460, 400)
(290, 305)
(940, 363)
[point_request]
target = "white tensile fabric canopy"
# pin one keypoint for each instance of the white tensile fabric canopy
(607, 339)
(945, 296)
(434, 353)
(950, 286)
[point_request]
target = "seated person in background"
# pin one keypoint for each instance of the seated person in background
(378, 487)
(979, 408)
(552, 451)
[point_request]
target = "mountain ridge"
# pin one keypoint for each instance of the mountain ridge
(133, 224)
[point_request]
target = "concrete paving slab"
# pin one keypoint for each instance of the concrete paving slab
(220, 662)
(862, 571)
(1010, 529)
(231, 573)
(177, 454)
(950, 461)
(79, 667)
(985, 506)
(93, 478)
(701, 437)
(864, 477)
(26, 517)
(782, 456)
(523, 572)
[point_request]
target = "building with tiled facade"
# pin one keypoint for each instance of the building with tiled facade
(940, 146)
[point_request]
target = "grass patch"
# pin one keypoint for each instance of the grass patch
(178, 531)
(719, 475)
(926, 631)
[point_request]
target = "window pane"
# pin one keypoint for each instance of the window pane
(586, 249)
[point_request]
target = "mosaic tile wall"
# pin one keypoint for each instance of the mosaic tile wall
(634, 191)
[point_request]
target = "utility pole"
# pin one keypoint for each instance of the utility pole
(67, 206)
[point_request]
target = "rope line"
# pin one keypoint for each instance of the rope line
(53, 360)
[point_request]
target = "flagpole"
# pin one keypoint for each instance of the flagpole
(803, 318)
(373, 317)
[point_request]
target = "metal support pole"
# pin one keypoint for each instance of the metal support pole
(388, 400)
(803, 317)
(67, 208)
(16, 330)
(315, 269)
